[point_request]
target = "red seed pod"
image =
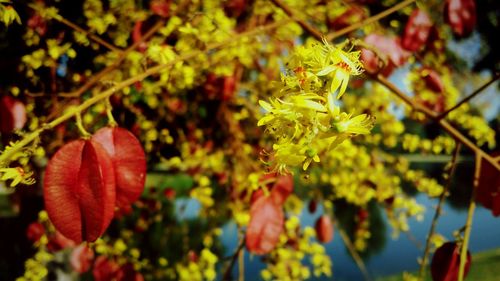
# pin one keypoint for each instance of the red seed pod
(160, 7)
(81, 258)
(488, 189)
(390, 47)
(193, 256)
(58, 242)
(460, 15)
(256, 195)
(417, 31)
(123, 212)
(324, 229)
(282, 189)
(446, 262)
(38, 23)
(104, 269)
(12, 114)
(137, 35)
(362, 215)
(432, 80)
(35, 231)
(353, 14)
(265, 227)
(129, 162)
(234, 8)
(313, 205)
(169, 193)
(228, 87)
(128, 273)
(79, 190)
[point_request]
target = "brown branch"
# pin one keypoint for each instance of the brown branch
(409, 101)
(91, 35)
(468, 222)
(470, 96)
(369, 20)
(123, 54)
(319, 36)
(234, 257)
(443, 195)
(74, 26)
(450, 129)
(354, 254)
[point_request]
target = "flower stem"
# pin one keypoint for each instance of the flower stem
(421, 275)
(469, 97)
(465, 244)
(81, 128)
(109, 112)
(468, 223)
(354, 253)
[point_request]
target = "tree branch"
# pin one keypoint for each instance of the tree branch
(468, 222)
(369, 20)
(91, 35)
(354, 254)
(450, 129)
(471, 96)
(234, 257)
(123, 54)
(454, 160)
(77, 28)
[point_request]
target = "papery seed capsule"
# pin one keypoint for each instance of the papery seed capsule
(79, 190)
(129, 162)
(324, 229)
(446, 262)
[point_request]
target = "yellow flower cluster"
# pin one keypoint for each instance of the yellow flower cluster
(36, 266)
(203, 192)
(304, 114)
(8, 15)
(288, 258)
(203, 269)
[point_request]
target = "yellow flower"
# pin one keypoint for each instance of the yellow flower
(8, 15)
(343, 123)
(341, 65)
(17, 175)
(286, 155)
(312, 155)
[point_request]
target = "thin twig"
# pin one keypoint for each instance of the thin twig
(395, 90)
(234, 257)
(354, 254)
(468, 222)
(450, 129)
(241, 262)
(91, 35)
(74, 26)
(456, 153)
(123, 54)
(471, 96)
(369, 20)
(7, 155)
(413, 240)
